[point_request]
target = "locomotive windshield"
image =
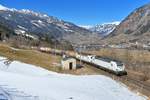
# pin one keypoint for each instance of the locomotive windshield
(119, 63)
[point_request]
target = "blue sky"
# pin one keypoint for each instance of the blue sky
(81, 12)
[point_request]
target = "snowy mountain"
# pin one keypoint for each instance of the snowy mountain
(102, 29)
(40, 84)
(42, 26)
(86, 26)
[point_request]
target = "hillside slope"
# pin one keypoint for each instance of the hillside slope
(54, 86)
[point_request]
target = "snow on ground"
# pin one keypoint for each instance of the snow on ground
(40, 84)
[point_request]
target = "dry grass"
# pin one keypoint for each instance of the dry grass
(31, 57)
(47, 61)
(140, 56)
(85, 70)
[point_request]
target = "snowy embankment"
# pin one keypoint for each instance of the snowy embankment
(19, 81)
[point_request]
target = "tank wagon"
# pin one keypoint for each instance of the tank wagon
(106, 64)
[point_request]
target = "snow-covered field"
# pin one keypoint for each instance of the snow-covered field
(19, 81)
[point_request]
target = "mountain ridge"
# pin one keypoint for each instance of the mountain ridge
(134, 29)
(42, 26)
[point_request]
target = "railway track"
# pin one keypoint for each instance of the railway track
(141, 84)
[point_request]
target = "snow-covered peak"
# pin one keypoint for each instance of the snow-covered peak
(86, 26)
(3, 7)
(104, 29)
(7, 9)
(113, 23)
(25, 11)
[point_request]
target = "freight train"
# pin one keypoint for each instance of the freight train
(113, 66)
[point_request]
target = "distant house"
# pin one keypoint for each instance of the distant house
(68, 63)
